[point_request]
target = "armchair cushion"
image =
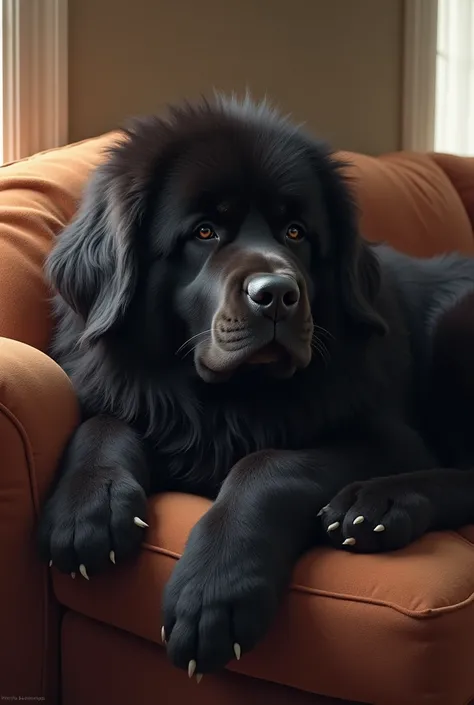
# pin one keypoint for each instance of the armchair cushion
(38, 412)
(350, 625)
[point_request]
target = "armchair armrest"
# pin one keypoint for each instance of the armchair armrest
(38, 412)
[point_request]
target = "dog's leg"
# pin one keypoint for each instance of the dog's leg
(96, 513)
(226, 588)
(387, 513)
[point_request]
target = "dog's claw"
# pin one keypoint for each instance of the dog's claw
(139, 522)
(83, 571)
(163, 635)
(349, 542)
(321, 511)
(237, 651)
(191, 668)
(335, 525)
(198, 678)
(112, 556)
(50, 564)
(358, 520)
(379, 528)
(73, 575)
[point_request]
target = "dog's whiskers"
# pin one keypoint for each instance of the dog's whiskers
(190, 340)
(319, 346)
(323, 331)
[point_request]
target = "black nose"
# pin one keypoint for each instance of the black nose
(274, 295)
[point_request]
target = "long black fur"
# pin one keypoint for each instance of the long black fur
(370, 407)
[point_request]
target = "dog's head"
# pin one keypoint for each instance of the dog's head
(223, 231)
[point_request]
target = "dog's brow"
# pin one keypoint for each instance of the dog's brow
(270, 256)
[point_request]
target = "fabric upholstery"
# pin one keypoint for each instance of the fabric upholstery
(108, 656)
(408, 201)
(351, 623)
(388, 630)
(38, 411)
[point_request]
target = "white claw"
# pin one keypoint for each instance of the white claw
(50, 564)
(349, 542)
(163, 635)
(139, 522)
(112, 556)
(358, 520)
(191, 668)
(198, 678)
(335, 525)
(321, 511)
(73, 575)
(83, 571)
(237, 651)
(379, 528)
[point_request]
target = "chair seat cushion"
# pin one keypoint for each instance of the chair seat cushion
(390, 629)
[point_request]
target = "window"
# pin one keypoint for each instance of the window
(438, 102)
(454, 110)
(33, 37)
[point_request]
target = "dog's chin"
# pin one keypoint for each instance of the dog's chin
(272, 360)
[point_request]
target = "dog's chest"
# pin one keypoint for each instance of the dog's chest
(208, 438)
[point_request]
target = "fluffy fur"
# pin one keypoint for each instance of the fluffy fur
(123, 235)
(164, 344)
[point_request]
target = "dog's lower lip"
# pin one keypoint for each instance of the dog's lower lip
(266, 355)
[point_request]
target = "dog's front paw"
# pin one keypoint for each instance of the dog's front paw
(218, 603)
(91, 521)
(384, 514)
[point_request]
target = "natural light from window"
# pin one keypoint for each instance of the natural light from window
(454, 118)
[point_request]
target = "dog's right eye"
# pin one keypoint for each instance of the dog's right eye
(205, 232)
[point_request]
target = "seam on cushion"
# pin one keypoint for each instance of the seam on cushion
(163, 551)
(29, 458)
(294, 587)
(421, 615)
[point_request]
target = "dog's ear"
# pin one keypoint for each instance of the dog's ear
(356, 265)
(94, 264)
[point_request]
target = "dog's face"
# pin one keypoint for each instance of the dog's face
(240, 241)
(243, 293)
(224, 232)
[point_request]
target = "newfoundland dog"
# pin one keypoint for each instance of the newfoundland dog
(229, 333)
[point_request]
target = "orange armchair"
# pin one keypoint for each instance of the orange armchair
(394, 629)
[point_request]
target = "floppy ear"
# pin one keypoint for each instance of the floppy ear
(357, 268)
(94, 264)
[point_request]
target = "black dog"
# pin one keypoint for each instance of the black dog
(230, 334)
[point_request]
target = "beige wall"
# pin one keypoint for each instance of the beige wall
(334, 64)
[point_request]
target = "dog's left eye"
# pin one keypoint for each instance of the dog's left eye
(295, 232)
(206, 232)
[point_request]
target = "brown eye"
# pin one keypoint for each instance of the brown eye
(295, 232)
(205, 232)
